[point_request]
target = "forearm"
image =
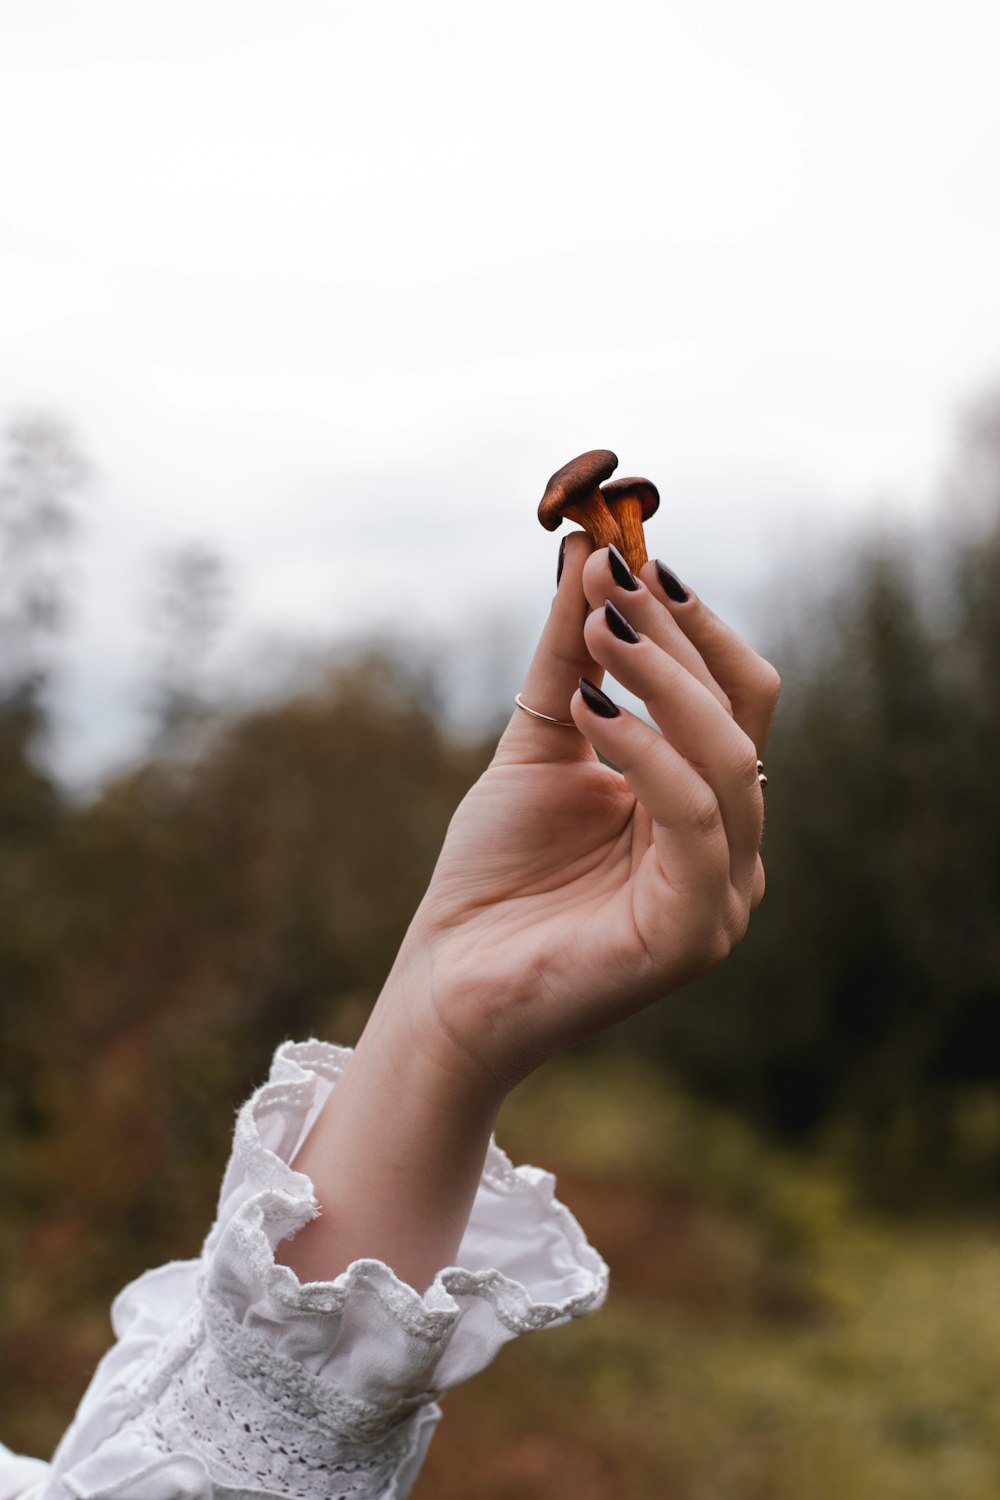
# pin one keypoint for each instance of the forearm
(397, 1152)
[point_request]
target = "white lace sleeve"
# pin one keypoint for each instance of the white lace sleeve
(230, 1378)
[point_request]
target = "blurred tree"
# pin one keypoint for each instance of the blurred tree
(41, 471)
(189, 609)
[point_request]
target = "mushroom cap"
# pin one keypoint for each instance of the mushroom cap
(643, 490)
(574, 482)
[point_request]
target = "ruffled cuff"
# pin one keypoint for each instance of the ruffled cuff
(523, 1264)
(282, 1378)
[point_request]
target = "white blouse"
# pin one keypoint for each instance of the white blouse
(231, 1379)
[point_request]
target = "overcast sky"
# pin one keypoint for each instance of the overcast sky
(336, 287)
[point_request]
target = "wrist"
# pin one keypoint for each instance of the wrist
(396, 1153)
(433, 1029)
(473, 1015)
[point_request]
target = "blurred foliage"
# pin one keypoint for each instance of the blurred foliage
(734, 1150)
(764, 1339)
(156, 943)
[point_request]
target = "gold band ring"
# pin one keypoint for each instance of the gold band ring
(546, 718)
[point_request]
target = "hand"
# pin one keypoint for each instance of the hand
(568, 894)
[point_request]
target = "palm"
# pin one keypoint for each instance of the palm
(550, 884)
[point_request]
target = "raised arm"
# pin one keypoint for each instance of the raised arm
(567, 896)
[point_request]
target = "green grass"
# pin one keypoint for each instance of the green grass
(779, 1344)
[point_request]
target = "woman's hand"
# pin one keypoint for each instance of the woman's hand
(568, 894)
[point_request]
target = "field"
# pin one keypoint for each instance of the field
(764, 1340)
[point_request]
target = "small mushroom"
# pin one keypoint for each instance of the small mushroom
(574, 492)
(632, 501)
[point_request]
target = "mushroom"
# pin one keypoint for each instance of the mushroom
(574, 492)
(632, 501)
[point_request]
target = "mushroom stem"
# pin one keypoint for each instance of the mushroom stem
(628, 515)
(597, 521)
(631, 502)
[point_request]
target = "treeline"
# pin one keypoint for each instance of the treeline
(863, 1011)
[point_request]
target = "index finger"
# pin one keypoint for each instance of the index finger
(561, 658)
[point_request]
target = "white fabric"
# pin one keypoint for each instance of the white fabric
(230, 1378)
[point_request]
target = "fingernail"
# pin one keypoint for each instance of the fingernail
(562, 559)
(671, 584)
(599, 703)
(618, 625)
(620, 570)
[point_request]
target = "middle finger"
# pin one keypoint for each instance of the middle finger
(609, 577)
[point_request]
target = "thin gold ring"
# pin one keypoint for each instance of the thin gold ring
(546, 718)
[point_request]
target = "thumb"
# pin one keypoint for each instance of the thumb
(561, 658)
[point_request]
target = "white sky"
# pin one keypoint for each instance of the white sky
(337, 287)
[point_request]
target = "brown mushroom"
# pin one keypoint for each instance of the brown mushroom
(574, 492)
(632, 501)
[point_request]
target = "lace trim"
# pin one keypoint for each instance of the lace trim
(287, 1202)
(209, 1411)
(148, 1379)
(283, 1385)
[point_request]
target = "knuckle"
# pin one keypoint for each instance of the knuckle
(724, 699)
(705, 814)
(759, 885)
(705, 939)
(768, 683)
(723, 931)
(743, 759)
(737, 920)
(718, 945)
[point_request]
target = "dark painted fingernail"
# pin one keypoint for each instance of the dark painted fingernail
(599, 703)
(562, 559)
(671, 584)
(618, 625)
(620, 570)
